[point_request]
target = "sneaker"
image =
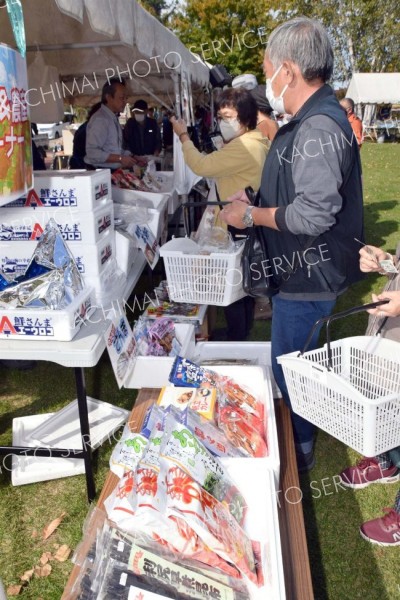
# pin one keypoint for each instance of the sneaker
(305, 462)
(367, 471)
(384, 531)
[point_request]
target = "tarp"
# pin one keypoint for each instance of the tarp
(89, 41)
(374, 88)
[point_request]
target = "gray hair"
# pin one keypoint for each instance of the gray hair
(304, 42)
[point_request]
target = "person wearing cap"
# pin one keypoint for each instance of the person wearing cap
(141, 133)
(104, 133)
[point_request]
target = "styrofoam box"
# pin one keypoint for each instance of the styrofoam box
(157, 215)
(126, 250)
(86, 190)
(91, 259)
(75, 226)
(153, 371)
(259, 352)
(256, 483)
(41, 324)
(167, 193)
(258, 383)
(104, 420)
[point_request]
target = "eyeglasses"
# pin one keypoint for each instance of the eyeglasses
(226, 119)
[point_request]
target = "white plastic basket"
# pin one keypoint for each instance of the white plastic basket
(204, 279)
(358, 400)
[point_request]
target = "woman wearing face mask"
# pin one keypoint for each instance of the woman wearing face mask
(237, 165)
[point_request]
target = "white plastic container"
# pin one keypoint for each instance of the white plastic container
(358, 401)
(157, 214)
(257, 352)
(153, 371)
(91, 259)
(255, 380)
(85, 190)
(27, 224)
(214, 279)
(126, 251)
(167, 193)
(35, 324)
(256, 483)
(62, 430)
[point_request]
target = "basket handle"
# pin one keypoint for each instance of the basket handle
(334, 317)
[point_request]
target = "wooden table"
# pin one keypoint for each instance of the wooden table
(296, 565)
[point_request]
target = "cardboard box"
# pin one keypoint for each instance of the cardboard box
(85, 190)
(91, 259)
(25, 224)
(41, 324)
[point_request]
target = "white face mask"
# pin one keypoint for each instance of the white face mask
(277, 104)
(229, 129)
(140, 117)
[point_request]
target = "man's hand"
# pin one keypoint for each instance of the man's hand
(233, 213)
(370, 256)
(127, 161)
(391, 309)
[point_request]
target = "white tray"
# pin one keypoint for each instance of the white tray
(259, 352)
(62, 430)
(255, 379)
(31, 469)
(153, 371)
(256, 483)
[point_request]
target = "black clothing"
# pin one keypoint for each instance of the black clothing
(141, 139)
(341, 266)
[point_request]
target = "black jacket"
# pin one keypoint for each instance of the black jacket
(328, 263)
(142, 139)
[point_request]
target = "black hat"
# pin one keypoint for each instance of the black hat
(140, 106)
(259, 96)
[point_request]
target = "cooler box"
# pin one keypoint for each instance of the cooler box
(28, 223)
(167, 192)
(91, 259)
(40, 324)
(86, 190)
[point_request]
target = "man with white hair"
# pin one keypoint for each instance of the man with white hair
(311, 199)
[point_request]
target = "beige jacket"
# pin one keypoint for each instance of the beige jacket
(237, 165)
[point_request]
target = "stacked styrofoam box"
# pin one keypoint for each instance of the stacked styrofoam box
(80, 202)
(166, 191)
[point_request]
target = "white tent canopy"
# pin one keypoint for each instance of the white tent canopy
(90, 41)
(374, 88)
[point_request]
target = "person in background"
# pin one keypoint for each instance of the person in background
(104, 133)
(37, 159)
(356, 124)
(141, 133)
(265, 123)
(311, 199)
(77, 160)
(237, 165)
(268, 127)
(384, 468)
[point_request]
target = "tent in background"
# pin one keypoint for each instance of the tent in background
(369, 90)
(89, 41)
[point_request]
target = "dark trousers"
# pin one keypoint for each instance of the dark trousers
(239, 318)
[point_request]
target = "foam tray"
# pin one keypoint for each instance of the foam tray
(62, 430)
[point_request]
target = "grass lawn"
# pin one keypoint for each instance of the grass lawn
(344, 566)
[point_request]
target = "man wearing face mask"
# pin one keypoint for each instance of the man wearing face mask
(237, 165)
(311, 198)
(141, 133)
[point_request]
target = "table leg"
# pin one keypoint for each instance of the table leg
(85, 431)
